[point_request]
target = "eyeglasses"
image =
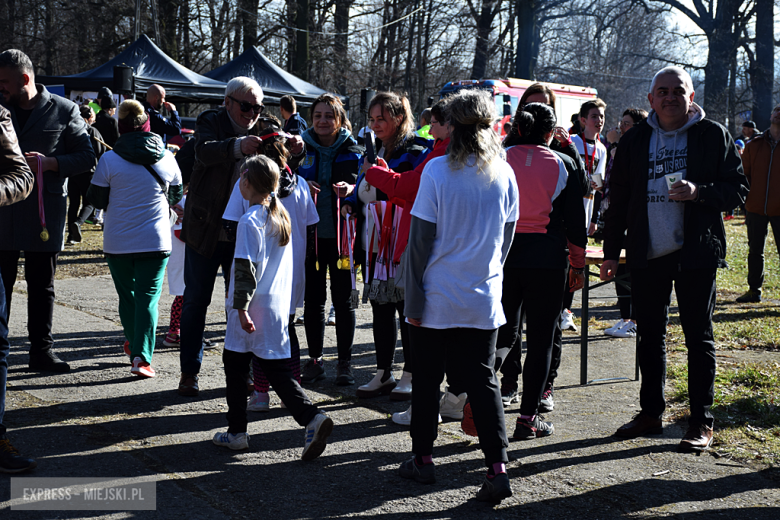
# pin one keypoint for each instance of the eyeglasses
(246, 107)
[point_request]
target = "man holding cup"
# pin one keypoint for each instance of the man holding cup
(672, 177)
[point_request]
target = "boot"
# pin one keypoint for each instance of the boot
(403, 390)
(382, 384)
(47, 361)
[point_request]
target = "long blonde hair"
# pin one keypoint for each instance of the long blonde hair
(396, 106)
(263, 176)
(471, 114)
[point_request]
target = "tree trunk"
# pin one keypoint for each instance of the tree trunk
(527, 39)
(721, 49)
(185, 34)
(733, 94)
(484, 26)
(302, 43)
(169, 16)
(763, 76)
(341, 41)
(249, 22)
(411, 23)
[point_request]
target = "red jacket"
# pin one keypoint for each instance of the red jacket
(401, 190)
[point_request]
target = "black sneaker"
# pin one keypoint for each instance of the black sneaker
(509, 396)
(752, 296)
(547, 404)
(11, 461)
(344, 374)
(47, 361)
(425, 474)
(74, 232)
(313, 371)
(526, 429)
(495, 489)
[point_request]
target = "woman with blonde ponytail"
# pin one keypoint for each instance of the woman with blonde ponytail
(260, 293)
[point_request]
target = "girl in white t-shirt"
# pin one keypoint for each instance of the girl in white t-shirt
(258, 311)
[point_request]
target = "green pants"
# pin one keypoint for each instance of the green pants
(138, 281)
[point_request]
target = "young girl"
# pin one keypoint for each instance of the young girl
(260, 292)
(293, 194)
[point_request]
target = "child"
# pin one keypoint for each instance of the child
(260, 292)
(294, 195)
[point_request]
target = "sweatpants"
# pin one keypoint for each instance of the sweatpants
(279, 375)
(138, 282)
(469, 355)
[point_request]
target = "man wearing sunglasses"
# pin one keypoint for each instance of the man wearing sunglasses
(224, 137)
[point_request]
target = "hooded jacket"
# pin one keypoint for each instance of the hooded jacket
(713, 164)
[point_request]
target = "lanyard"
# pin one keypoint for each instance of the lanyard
(316, 248)
(41, 215)
(589, 163)
(351, 230)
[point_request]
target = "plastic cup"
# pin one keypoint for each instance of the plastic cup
(671, 179)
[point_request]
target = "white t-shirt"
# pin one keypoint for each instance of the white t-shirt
(137, 219)
(270, 305)
(464, 275)
(599, 166)
(303, 212)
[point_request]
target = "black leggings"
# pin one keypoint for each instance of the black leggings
(538, 293)
(386, 334)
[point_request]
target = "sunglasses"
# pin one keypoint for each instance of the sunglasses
(246, 107)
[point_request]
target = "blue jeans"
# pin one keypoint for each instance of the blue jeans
(200, 273)
(4, 350)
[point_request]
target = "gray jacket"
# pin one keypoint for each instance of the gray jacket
(55, 129)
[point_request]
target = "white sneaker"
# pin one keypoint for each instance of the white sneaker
(376, 386)
(317, 432)
(403, 390)
(567, 320)
(259, 402)
(332, 316)
(405, 418)
(451, 405)
(614, 328)
(628, 330)
(239, 441)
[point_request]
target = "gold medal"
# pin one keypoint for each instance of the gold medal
(317, 264)
(343, 263)
(44, 235)
(338, 263)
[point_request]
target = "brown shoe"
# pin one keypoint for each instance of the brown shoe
(188, 385)
(697, 438)
(640, 425)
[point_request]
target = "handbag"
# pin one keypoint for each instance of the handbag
(172, 216)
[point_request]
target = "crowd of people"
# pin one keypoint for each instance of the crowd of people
(438, 220)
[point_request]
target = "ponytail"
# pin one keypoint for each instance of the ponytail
(263, 176)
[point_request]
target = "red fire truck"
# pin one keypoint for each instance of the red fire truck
(507, 92)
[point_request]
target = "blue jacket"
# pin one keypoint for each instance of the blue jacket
(161, 125)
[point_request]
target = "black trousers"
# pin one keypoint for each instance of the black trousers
(537, 292)
(469, 355)
(315, 297)
(695, 289)
(757, 227)
(39, 269)
(280, 376)
(386, 334)
(77, 197)
(624, 295)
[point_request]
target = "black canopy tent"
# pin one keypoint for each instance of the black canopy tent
(275, 81)
(151, 65)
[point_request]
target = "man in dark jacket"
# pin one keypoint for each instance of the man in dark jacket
(51, 134)
(163, 126)
(224, 137)
(16, 183)
(762, 206)
(672, 177)
(293, 122)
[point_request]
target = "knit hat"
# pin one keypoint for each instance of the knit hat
(132, 117)
(105, 92)
(749, 124)
(107, 103)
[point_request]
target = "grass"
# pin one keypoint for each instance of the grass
(747, 393)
